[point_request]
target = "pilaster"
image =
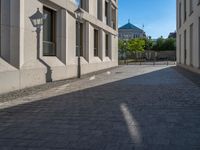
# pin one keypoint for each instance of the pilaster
(17, 33)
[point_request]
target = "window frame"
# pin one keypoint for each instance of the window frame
(96, 43)
(191, 43)
(185, 47)
(180, 14)
(191, 7)
(185, 10)
(107, 49)
(199, 40)
(53, 32)
(81, 34)
(180, 48)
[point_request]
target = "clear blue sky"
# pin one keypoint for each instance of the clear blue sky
(158, 16)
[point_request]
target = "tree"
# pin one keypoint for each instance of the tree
(135, 45)
(123, 46)
(164, 44)
(123, 49)
(148, 43)
(170, 44)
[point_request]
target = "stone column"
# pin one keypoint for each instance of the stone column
(87, 41)
(17, 32)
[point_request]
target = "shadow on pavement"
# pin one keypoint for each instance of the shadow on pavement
(154, 111)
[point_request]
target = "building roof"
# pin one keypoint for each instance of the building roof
(130, 26)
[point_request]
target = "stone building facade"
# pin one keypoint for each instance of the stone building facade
(129, 31)
(188, 34)
(19, 65)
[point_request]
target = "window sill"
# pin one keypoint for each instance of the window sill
(107, 59)
(52, 61)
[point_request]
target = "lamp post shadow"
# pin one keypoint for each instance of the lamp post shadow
(49, 71)
(37, 20)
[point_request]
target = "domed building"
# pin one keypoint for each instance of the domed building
(129, 31)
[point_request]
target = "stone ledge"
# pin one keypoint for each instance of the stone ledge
(190, 68)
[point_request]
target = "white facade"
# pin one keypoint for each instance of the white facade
(188, 34)
(19, 64)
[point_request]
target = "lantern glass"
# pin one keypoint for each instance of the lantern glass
(79, 14)
(37, 19)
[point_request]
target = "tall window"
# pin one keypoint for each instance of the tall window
(84, 4)
(107, 45)
(79, 38)
(114, 18)
(106, 11)
(99, 9)
(185, 11)
(96, 43)
(180, 21)
(191, 6)
(180, 48)
(49, 33)
(199, 42)
(185, 46)
(79, 3)
(191, 44)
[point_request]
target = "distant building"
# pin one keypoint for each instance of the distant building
(172, 35)
(129, 31)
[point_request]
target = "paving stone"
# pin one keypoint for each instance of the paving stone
(130, 108)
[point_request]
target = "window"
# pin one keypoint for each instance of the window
(49, 33)
(191, 6)
(191, 44)
(106, 11)
(83, 4)
(180, 21)
(114, 18)
(99, 9)
(185, 46)
(79, 38)
(199, 42)
(79, 3)
(185, 12)
(180, 48)
(96, 43)
(107, 45)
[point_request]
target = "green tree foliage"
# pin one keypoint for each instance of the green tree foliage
(135, 45)
(148, 43)
(122, 45)
(164, 44)
(141, 44)
(170, 44)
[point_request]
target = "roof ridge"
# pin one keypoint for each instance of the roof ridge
(130, 26)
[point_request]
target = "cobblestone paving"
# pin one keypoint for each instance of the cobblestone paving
(128, 108)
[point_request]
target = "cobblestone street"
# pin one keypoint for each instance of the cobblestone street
(127, 108)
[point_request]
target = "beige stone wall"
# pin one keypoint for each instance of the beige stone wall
(18, 59)
(192, 55)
